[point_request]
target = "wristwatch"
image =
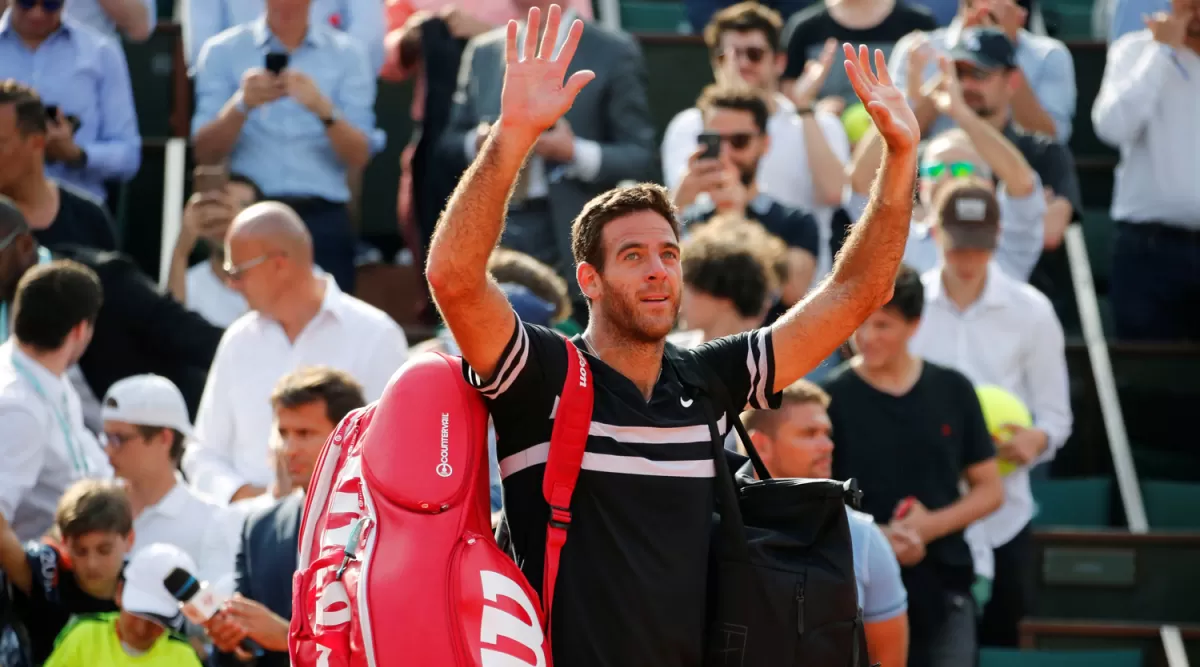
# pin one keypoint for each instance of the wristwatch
(804, 111)
(332, 118)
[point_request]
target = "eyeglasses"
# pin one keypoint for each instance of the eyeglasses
(754, 54)
(238, 271)
(939, 169)
(116, 440)
(738, 140)
(50, 6)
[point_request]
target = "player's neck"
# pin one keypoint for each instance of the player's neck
(640, 362)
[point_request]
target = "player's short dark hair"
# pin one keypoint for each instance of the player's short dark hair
(587, 241)
(510, 266)
(31, 113)
(304, 386)
(722, 264)
(94, 506)
(735, 98)
(744, 17)
(908, 297)
(52, 299)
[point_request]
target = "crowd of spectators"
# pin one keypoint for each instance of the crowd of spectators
(145, 428)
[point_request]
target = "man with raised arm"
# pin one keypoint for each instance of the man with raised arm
(631, 585)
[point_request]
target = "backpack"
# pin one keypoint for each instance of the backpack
(782, 588)
(397, 562)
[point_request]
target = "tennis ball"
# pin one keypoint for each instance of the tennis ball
(1000, 409)
(857, 121)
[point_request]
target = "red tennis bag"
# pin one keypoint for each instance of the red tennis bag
(397, 562)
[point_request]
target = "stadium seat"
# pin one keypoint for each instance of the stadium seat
(1172, 505)
(1003, 657)
(1076, 503)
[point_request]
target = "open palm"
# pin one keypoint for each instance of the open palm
(534, 95)
(885, 102)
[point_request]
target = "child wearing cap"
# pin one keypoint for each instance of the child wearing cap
(78, 572)
(140, 633)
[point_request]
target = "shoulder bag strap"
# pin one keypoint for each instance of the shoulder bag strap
(568, 440)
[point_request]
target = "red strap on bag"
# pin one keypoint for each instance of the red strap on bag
(568, 440)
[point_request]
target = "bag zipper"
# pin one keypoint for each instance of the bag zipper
(800, 608)
(461, 644)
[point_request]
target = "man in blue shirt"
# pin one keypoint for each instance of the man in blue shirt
(361, 19)
(297, 132)
(82, 77)
(794, 441)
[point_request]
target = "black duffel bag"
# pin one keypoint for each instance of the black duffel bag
(782, 589)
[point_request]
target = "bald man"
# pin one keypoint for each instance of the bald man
(298, 318)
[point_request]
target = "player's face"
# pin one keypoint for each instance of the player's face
(801, 446)
(883, 338)
(97, 559)
(638, 289)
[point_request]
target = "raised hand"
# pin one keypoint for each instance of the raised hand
(895, 122)
(808, 86)
(534, 95)
(948, 96)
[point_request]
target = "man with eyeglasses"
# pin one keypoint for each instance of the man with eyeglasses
(133, 19)
(298, 317)
(145, 423)
(91, 127)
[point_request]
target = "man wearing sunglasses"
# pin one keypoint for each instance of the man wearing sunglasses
(134, 19)
(91, 133)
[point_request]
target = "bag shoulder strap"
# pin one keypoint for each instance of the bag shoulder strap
(568, 440)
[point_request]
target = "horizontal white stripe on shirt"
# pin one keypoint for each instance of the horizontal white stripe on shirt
(623, 465)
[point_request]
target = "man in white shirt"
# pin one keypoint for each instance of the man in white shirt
(998, 331)
(1149, 107)
(804, 165)
(44, 445)
(298, 318)
(145, 423)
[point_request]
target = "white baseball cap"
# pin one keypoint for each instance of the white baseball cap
(147, 400)
(145, 592)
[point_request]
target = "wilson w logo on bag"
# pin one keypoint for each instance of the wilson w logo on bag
(397, 562)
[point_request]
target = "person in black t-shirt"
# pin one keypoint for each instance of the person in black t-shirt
(53, 580)
(877, 23)
(909, 431)
(631, 588)
(739, 117)
(57, 213)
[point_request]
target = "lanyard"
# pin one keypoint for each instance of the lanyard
(44, 257)
(78, 460)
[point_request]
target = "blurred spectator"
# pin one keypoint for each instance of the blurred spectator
(91, 124)
(738, 118)
(139, 329)
(606, 137)
(145, 423)
(77, 572)
(297, 132)
(361, 20)
(140, 634)
(1147, 106)
(925, 432)
(974, 149)
(795, 441)
(46, 447)
(205, 288)
(57, 213)
(299, 317)
(135, 19)
(700, 13)
(803, 166)
(997, 331)
(728, 284)
(308, 404)
(877, 23)
(1043, 99)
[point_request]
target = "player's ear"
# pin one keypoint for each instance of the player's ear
(588, 277)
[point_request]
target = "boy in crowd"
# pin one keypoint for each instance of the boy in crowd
(76, 574)
(140, 633)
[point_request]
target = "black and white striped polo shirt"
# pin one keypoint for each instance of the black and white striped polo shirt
(631, 584)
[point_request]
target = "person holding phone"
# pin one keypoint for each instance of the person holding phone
(289, 102)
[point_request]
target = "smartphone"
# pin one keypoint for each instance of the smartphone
(276, 62)
(52, 112)
(712, 145)
(209, 178)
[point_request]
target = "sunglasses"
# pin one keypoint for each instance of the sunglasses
(737, 140)
(49, 6)
(939, 169)
(754, 54)
(238, 271)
